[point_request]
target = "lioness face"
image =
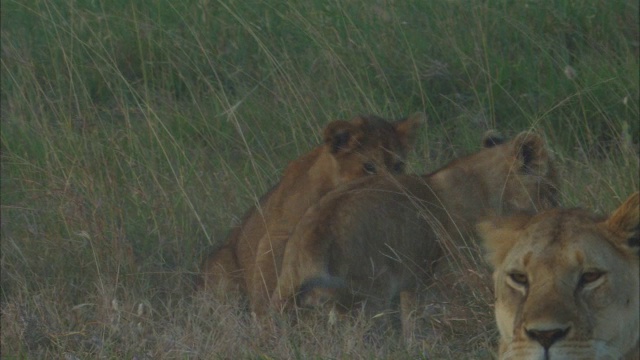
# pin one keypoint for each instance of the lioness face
(566, 284)
(369, 145)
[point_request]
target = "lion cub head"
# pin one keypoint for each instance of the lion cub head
(505, 177)
(567, 283)
(369, 145)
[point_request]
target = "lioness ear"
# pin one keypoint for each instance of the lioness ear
(407, 128)
(625, 222)
(499, 234)
(492, 138)
(342, 135)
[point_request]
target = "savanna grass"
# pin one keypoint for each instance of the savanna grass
(135, 134)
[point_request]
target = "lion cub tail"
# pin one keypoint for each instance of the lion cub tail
(319, 290)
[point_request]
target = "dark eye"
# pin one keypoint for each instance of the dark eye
(370, 167)
(519, 278)
(398, 167)
(589, 277)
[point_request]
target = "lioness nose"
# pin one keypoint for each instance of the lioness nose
(546, 338)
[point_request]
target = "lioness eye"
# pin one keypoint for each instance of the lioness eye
(518, 278)
(590, 276)
(370, 168)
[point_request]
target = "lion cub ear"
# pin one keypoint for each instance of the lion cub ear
(499, 234)
(531, 150)
(492, 138)
(625, 222)
(407, 129)
(343, 136)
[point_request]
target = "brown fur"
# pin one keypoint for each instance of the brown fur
(376, 238)
(353, 149)
(567, 280)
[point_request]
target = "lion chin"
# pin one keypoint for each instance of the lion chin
(567, 283)
(579, 350)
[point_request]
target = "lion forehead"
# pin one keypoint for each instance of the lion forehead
(551, 251)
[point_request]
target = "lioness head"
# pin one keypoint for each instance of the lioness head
(567, 283)
(369, 145)
(505, 176)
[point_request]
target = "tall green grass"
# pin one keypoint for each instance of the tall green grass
(135, 134)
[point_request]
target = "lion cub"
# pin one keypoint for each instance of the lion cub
(352, 149)
(373, 240)
(567, 283)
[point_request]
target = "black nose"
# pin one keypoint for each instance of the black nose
(546, 338)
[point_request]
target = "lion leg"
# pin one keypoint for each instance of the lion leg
(408, 306)
(301, 267)
(221, 273)
(265, 273)
(287, 285)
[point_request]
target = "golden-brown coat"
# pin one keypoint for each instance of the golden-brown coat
(375, 238)
(567, 283)
(352, 149)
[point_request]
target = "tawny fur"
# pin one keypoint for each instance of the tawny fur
(351, 149)
(373, 240)
(567, 283)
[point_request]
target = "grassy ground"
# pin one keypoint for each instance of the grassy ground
(135, 134)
